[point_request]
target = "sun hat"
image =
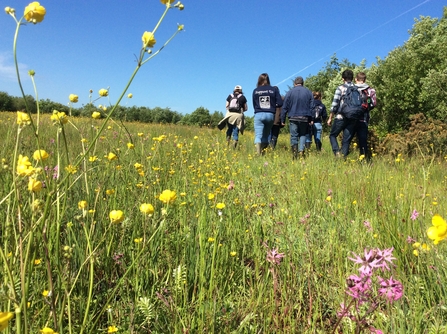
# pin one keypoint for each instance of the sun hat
(238, 87)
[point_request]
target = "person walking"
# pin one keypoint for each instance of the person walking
(297, 105)
(276, 128)
(234, 119)
(265, 101)
(319, 114)
(361, 130)
(342, 121)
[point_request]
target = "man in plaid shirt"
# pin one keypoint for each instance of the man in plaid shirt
(341, 123)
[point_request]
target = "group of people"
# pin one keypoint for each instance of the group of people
(306, 114)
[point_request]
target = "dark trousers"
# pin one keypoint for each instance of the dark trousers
(348, 126)
(362, 135)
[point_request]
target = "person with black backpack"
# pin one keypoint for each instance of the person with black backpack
(369, 102)
(346, 109)
(234, 119)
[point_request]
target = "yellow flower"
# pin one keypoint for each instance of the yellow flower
(354, 202)
(23, 119)
(103, 92)
(110, 191)
(112, 329)
(415, 252)
(40, 155)
(220, 206)
(71, 169)
(45, 293)
(112, 156)
(47, 330)
(10, 10)
(148, 39)
(59, 118)
(93, 158)
(24, 167)
(211, 239)
(130, 146)
(140, 134)
(96, 115)
(328, 199)
(167, 2)
(116, 216)
(168, 196)
(34, 185)
(4, 319)
(147, 208)
(210, 196)
(438, 231)
(138, 240)
(37, 262)
(34, 12)
(73, 98)
(130, 95)
(82, 205)
(233, 253)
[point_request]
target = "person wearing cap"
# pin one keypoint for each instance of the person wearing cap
(234, 120)
(265, 101)
(298, 105)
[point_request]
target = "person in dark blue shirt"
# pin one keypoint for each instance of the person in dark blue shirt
(298, 105)
(265, 101)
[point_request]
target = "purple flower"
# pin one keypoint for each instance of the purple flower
(414, 215)
(390, 288)
(274, 257)
(359, 287)
(410, 240)
(368, 263)
(367, 224)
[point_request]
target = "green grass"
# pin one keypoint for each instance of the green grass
(197, 271)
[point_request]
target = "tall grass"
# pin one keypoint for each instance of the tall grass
(191, 267)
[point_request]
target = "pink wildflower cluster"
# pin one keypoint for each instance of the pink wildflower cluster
(274, 257)
(368, 290)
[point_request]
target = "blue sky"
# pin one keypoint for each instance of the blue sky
(85, 44)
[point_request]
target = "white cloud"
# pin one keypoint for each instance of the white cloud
(8, 69)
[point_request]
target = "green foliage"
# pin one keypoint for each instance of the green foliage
(410, 79)
(6, 102)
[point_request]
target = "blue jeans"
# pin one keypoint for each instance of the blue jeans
(233, 130)
(317, 129)
(263, 125)
(298, 132)
(348, 126)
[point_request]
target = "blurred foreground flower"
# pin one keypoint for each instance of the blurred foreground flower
(147, 208)
(23, 119)
(116, 216)
(112, 329)
(73, 98)
(24, 167)
(129, 95)
(148, 39)
(96, 115)
(34, 12)
(34, 185)
(438, 231)
(59, 118)
(168, 196)
(220, 206)
(4, 319)
(103, 92)
(47, 330)
(40, 155)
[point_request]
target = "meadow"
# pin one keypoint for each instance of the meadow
(112, 227)
(165, 229)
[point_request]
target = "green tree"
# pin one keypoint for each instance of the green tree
(6, 102)
(200, 116)
(404, 80)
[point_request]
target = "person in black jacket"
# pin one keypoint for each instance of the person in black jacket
(320, 115)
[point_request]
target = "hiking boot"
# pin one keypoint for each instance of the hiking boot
(228, 140)
(258, 149)
(263, 147)
(234, 144)
(294, 152)
(307, 145)
(273, 143)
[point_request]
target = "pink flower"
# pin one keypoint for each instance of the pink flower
(414, 215)
(391, 289)
(231, 185)
(368, 262)
(274, 257)
(359, 287)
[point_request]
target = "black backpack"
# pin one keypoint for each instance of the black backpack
(352, 102)
(234, 104)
